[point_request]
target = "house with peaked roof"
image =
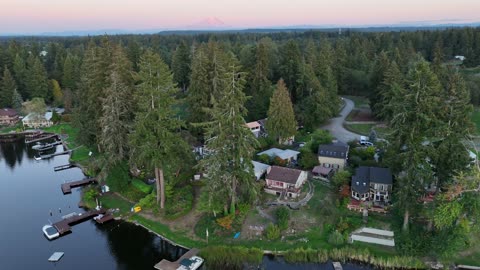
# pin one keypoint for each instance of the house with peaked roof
(8, 117)
(287, 154)
(372, 184)
(333, 155)
(36, 120)
(255, 128)
(285, 181)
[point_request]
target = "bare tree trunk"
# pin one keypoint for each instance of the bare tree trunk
(162, 189)
(405, 220)
(157, 178)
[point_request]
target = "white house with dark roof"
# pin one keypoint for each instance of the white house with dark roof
(281, 180)
(333, 155)
(372, 184)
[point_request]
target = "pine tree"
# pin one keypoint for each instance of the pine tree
(57, 93)
(290, 68)
(393, 80)
(20, 75)
(281, 124)
(37, 82)
(17, 100)
(181, 65)
(69, 73)
(155, 141)
(229, 166)
(377, 76)
(260, 86)
(7, 89)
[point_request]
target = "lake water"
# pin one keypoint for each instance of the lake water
(30, 190)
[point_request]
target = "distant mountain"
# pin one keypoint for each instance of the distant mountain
(209, 23)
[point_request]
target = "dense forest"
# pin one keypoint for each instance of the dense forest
(146, 98)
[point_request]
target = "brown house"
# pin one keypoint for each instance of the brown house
(281, 180)
(8, 117)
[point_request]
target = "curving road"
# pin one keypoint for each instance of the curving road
(335, 125)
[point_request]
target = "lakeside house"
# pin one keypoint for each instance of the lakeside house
(260, 169)
(8, 117)
(285, 181)
(372, 184)
(287, 155)
(333, 155)
(36, 120)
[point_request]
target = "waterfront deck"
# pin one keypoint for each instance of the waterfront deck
(43, 136)
(67, 187)
(64, 226)
(168, 265)
(63, 167)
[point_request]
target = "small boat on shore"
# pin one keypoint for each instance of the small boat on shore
(191, 264)
(37, 158)
(50, 232)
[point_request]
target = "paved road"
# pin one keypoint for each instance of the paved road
(335, 125)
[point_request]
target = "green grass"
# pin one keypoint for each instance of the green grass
(140, 185)
(177, 237)
(359, 101)
(17, 127)
(80, 154)
(364, 129)
(476, 119)
(112, 201)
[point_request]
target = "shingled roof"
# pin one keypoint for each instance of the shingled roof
(8, 112)
(335, 149)
(283, 174)
(366, 175)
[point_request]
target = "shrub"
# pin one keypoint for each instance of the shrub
(279, 162)
(230, 257)
(225, 222)
(283, 215)
(149, 201)
(264, 158)
(272, 232)
(336, 238)
(341, 178)
(308, 160)
(90, 195)
(139, 184)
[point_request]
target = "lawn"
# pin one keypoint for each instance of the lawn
(476, 119)
(359, 101)
(364, 129)
(17, 127)
(80, 154)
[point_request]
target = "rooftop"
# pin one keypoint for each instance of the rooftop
(366, 175)
(253, 124)
(283, 154)
(335, 149)
(8, 112)
(283, 174)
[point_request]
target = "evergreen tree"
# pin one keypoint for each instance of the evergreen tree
(290, 66)
(260, 86)
(20, 75)
(7, 89)
(17, 100)
(378, 74)
(181, 65)
(392, 80)
(281, 124)
(70, 73)
(155, 141)
(229, 166)
(37, 82)
(57, 93)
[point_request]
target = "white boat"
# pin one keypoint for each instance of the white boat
(190, 264)
(50, 232)
(37, 158)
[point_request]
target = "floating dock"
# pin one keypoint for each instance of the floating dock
(56, 256)
(67, 187)
(55, 154)
(168, 265)
(47, 146)
(63, 167)
(64, 226)
(43, 136)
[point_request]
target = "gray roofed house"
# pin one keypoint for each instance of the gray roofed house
(333, 155)
(372, 183)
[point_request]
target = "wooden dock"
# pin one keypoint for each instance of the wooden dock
(64, 226)
(44, 136)
(67, 187)
(47, 146)
(168, 265)
(55, 154)
(63, 167)
(105, 218)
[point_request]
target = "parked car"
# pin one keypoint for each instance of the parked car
(364, 141)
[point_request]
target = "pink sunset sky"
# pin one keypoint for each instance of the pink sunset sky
(36, 16)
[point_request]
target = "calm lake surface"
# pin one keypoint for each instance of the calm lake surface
(30, 189)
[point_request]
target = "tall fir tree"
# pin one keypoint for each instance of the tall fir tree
(181, 62)
(20, 75)
(7, 89)
(37, 82)
(377, 76)
(155, 141)
(290, 66)
(70, 73)
(57, 93)
(17, 100)
(229, 167)
(281, 124)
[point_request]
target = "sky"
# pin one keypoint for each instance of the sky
(39, 16)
